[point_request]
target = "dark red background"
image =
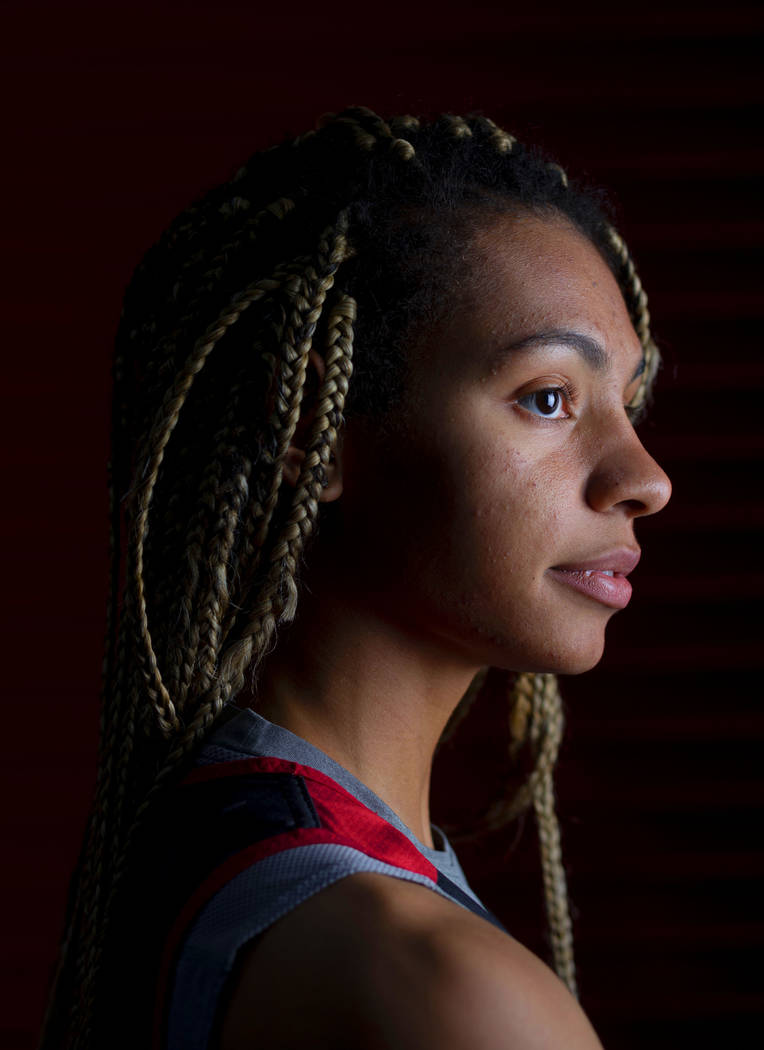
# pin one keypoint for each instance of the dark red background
(116, 114)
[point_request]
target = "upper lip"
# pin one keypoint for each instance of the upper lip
(622, 561)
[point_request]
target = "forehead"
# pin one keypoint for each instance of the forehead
(522, 276)
(527, 274)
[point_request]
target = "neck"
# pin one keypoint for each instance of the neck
(369, 694)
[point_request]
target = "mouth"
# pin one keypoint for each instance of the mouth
(602, 577)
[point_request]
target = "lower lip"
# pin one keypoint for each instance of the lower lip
(614, 591)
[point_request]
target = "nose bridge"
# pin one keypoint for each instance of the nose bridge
(625, 474)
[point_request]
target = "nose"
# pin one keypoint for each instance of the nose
(627, 477)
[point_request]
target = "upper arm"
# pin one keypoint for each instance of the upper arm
(491, 993)
(455, 982)
(383, 964)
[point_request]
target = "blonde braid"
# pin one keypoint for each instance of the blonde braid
(156, 443)
(404, 123)
(459, 127)
(501, 140)
(290, 379)
(218, 616)
(112, 658)
(320, 442)
(640, 316)
(548, 704)
(218, 519)
(90, 907)
(535, 718)
(368, 130)
(560, 172)
(104, 813)
(253, 515)
(280, 381)
(521, 710)
(204, 286)
(182, 652)
(215, 605)
(464, 706)
(278, 597)
(277, 209)
(103, 826)
(339, 330)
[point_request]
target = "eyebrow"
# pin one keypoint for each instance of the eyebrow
(590, 350)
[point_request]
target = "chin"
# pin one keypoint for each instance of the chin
(564, 661)
(578, 665)
(574, 658)
(545, 645)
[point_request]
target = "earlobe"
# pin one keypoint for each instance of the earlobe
(295, 457)
(293, 462)
(293, 465)
(334, 476)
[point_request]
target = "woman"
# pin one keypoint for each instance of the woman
(373, 436)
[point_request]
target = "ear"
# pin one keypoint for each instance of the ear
(295, 456)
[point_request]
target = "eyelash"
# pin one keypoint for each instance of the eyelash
(635, 413)
(565, 392)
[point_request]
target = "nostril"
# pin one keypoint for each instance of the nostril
(626, 476)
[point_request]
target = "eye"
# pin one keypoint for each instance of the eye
(548, 403)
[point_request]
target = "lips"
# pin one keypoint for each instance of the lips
(601, 577)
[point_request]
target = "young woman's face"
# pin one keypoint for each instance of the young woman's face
(492, 517)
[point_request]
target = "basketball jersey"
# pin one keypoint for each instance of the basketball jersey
(263, 822)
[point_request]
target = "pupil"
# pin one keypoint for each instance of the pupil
(546, 400)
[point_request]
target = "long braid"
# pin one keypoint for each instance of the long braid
(200, 288)
(212, 609)
(279, 595)
(79, 920)
(535, 721)
(549, 723)
(155, 446)
(187, 646)
(214, 605)
(636, 299)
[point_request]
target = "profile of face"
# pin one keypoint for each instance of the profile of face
(496, 521)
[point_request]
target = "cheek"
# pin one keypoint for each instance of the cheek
(517, 509)
(468, 509)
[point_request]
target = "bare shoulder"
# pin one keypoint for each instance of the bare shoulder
(381, 963)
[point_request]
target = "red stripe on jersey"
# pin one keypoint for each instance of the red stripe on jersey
(338, 810)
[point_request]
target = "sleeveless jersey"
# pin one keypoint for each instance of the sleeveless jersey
(263, 821)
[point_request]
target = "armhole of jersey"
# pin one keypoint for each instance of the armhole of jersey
(194, 991)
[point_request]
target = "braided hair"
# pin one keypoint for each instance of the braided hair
(346, 241)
